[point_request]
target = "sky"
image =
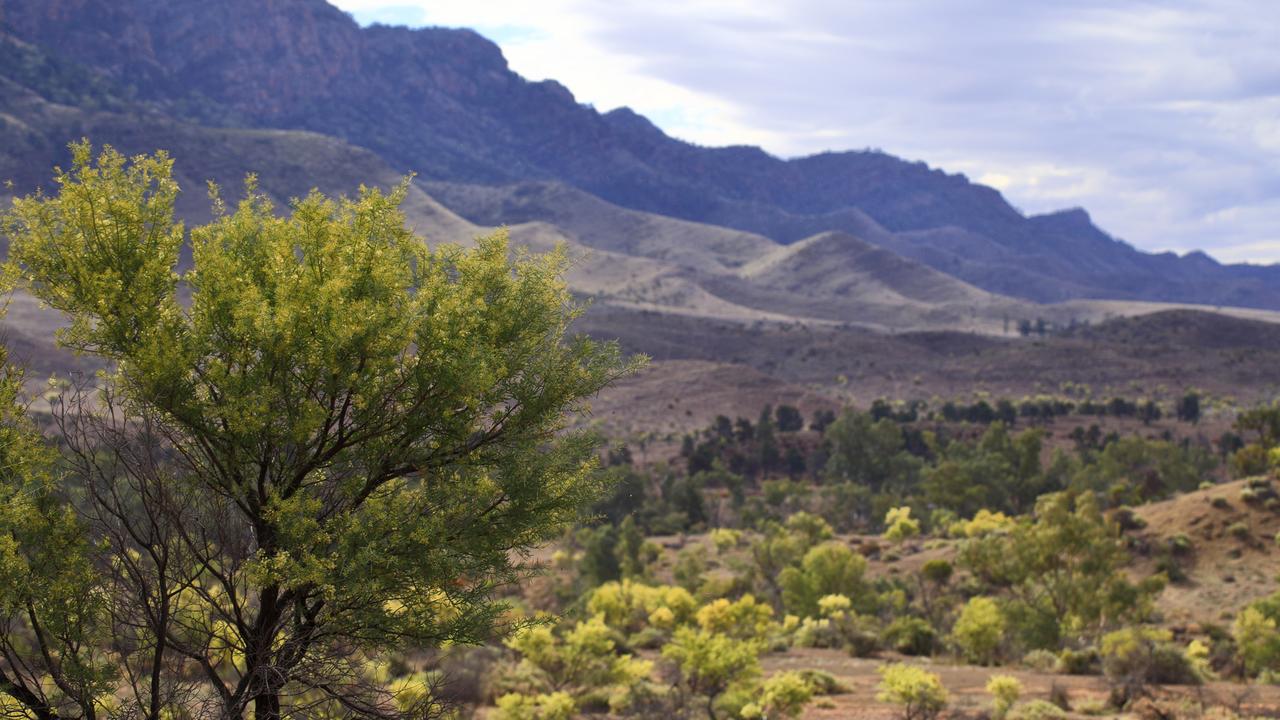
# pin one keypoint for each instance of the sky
(1162, 119)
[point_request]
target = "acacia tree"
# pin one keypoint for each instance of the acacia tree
(52, 655)
(322, 441)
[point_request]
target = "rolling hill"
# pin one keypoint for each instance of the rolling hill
(444, 103)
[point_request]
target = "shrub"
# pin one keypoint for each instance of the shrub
(1126, 519)
(1037, 710)
(817, 633)
(1257, 640)
(708, 664)
(810, 528)
(1005, 691)
(937, 571)
(553, 706)
(899, 525)
(979, 630)
(1041, 660)
(1238, 530)
(984, 523)
(782, 696)
(584, 659)
(725, 539)
(910, 636)
(743, 619)
(1084, 661)
(827, 569)
(918, 692)
(626, 606)
(1220, 503)
(1136, 657)
(1181, 544)
(833, 605)
(823, 682)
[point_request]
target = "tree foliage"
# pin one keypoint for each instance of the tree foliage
(321, 440)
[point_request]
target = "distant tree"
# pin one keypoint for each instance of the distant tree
(1149, 411)
(723, 428)
(822, 419)
(789, 419)
(1063, 569)
(867, 452)
(767, 442)
(1189, 407)
(1264, 421)
(321, 442)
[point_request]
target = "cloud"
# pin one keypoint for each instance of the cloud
(1162, 119)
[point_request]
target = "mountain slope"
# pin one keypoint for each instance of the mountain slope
(444, 103)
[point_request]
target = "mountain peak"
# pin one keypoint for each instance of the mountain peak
(445, 104)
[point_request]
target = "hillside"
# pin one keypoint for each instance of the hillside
(444, 103)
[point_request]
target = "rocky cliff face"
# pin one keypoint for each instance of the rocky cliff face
(443, 103)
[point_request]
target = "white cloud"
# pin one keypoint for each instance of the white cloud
(1162, 120)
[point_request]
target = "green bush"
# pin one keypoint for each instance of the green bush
(627, 606)
(827, 569)
(1037, 710)
(1257, 640)
(744, 618)
(823, 682)
(1005, 691)
(899, 525)
(979, 630)
(937, 571)
(708, 664)
(552, 706)
(1084, 661)
(782, 696)
(1133, 658)
(1181, 544)
(917, 692)
(1041, 660)
(910, 636)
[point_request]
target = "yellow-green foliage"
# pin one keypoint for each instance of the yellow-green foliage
(626, 606)
(1037, 710)
(979, 630)
(726, 539)
(810, 528)
(1005, 691)
(918, 692)
(744, 618)
(1198, 657)
(782, 696)
(412, 694)
(1135, 657)
(984, 522)
(392, 418)
(708, 663)
(834, 605)
(827, 569)
(1258, 641)
(47, 579)
(584, 659)
(899, 525)
(550, 706)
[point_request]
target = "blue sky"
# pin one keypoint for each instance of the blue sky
(1162, 119)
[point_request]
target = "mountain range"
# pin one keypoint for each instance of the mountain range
(749, 278)
(444, 104)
